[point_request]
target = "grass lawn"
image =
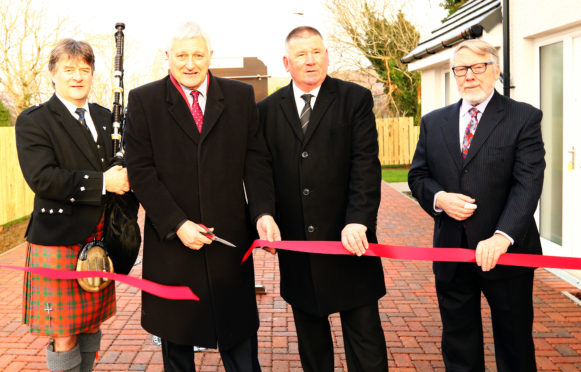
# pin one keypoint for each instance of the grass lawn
(394, 174)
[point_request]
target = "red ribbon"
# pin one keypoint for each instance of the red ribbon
(160, 290)
(322, 247)
(421, 253)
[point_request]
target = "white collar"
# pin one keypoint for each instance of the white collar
(71, 106)
(466, 106)
(203, 88)
(298, 92)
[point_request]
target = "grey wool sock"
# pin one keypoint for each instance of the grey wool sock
(89, 344)
(66, 361)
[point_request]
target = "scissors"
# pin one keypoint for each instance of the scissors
(215, 237)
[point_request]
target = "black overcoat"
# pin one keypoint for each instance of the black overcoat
(325, 179)
(503, 171)
(177, 174)
(64, 168)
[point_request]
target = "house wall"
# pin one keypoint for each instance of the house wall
(530, 20)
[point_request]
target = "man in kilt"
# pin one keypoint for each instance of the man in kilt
(64, 146)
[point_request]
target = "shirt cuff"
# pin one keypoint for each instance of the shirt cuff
(437, 210)
(104, 191)
(511, 240)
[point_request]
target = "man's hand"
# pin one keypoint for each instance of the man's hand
(489, 251)
(191, 235)
(457, 206)
(116, 180)
(268, 230)
(354, 239)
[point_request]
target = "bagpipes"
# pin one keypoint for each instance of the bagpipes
(118, 250)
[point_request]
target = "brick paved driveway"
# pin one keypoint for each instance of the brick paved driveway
(409, 314)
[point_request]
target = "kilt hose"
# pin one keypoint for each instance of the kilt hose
(60, 307)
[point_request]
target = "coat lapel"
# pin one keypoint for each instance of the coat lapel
(450, 133)
(179, 110)
(491, 117)
(289, 108)
(214, 106)
(79, 135)
(323, 101)
(101, 122)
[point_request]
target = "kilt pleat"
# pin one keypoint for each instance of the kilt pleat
(60, 307)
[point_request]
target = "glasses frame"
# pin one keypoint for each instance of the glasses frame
(470, 68)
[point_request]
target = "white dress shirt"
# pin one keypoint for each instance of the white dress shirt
(88, 120)
(300, 102)
(202, 97)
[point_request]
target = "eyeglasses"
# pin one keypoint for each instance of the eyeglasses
(477, 68)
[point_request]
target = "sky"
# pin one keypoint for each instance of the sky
(251, 28)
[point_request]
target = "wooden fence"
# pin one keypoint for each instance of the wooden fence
(397, 142)
(16, 199)
(397, 139)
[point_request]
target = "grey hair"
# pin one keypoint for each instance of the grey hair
(189, 30)
(301, 32)
(478, 46)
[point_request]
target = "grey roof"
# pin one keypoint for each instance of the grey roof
(466, 23)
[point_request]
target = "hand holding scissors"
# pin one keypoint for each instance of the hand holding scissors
(210, 234)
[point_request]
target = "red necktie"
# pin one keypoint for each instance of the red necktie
(197, 111)
(469, 133)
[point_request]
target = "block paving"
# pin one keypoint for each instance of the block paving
(409, 314)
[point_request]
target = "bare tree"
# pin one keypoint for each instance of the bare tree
(25, 41)
(372, 33)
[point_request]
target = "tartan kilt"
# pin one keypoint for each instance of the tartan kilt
(72, 310)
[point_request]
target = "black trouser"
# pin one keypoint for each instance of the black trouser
(363, 337)
(511, 307)
(240, 358)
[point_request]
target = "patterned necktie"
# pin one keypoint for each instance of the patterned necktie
(197, 111)
(81, 113)
(469, 133)
(306, 113)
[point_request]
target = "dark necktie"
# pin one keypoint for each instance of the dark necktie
(197, 110)
(81, 113)
(469, 133)
(306, 113)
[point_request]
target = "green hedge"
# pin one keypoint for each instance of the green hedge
(4, 116)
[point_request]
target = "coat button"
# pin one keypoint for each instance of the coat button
(72, 200)
(305, 155)
(311, 228)
(51, 211)
(306, 192)
(43, 210)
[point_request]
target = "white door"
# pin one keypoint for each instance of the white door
(572, 148)
(560, 100)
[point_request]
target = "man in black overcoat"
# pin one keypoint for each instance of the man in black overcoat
(478, 170)
(327, 184)
(195, 155)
